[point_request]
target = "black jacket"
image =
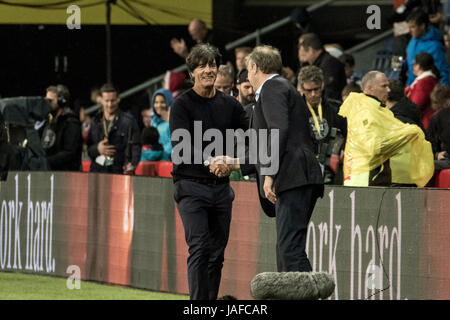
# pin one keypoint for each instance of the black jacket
(438, 132)
(408, 112)
(281, 107)
(65, 153)
(119, 137)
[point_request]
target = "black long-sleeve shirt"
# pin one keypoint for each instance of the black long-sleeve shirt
(196, 114)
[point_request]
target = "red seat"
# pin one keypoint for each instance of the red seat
(147, 168)
(85, 165)
(165, 168)
(443, 179)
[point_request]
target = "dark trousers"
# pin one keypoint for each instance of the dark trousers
(293, 211)
(206, 214)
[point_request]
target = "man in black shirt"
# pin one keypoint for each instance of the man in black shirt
(311, 52)
(61, 136)
(203, 199)
(113, 140)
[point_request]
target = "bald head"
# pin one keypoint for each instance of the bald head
(198, 30)
(376, 84)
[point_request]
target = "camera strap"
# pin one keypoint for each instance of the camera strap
(313, 113)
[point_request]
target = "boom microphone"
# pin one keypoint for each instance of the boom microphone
(292, 285)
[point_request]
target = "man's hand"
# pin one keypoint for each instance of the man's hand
(222, 166)
(442, 155)
(269, 189)
(179, 47)
(128, 169)
(105, 149)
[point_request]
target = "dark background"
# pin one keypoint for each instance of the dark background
(28, 52)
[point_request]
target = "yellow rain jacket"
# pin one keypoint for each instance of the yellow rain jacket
(375, 136)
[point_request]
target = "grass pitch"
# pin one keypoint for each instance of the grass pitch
(17, 286)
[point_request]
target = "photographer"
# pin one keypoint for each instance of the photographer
(328, 129)
(113, 141)
(61, 134)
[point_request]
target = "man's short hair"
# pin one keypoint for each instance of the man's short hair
(310, 74)
(150, 135)
(201, 55)
(397, 90)
(351, 87)
(347, 58)
(62, 94)
(418, 16)
(109, 87)
(368, 78)
(225, 71)
(310, 40)
(246, 50)
(266, 58)
(199, 22)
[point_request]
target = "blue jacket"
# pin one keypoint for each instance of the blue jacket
(161, 125)
(430, 43)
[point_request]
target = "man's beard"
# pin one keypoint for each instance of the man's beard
(246, 101)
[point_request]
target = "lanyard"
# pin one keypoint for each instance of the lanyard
(107, 128)
(313, 113)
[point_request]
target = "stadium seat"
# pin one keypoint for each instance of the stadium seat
(165, 169)
(147, 168)
(443, 179)
(85, 165)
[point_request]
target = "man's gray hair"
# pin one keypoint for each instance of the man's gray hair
(368, 78)
(310, 74)
(266, 58)
(225, 71)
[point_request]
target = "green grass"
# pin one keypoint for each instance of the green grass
(17, 286)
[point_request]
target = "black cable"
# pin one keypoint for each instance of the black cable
(379, 251)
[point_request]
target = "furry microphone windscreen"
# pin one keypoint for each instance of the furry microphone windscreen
(292, 286)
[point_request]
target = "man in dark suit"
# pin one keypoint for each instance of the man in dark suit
(311, 52)
(293, 180)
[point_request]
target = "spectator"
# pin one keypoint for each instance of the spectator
(246, 93)
(311, 52)
(351, 87)
(147, 115)
(440, 97)
(403, 109)
(176, 82)
(323, 118)
(240, 54)
(419, 91)
(200, 34)
(152, 150)
(85, 120)
(425, 38)
(374, 136)
(113, 140)
(161, 102)
(61, 137)
(438, 132)
(349, 66)
(225, 79)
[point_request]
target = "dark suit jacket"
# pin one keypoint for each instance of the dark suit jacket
(281, 107)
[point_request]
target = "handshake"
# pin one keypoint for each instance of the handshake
(221, 166)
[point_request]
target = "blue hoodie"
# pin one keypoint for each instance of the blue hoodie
(161, 125)
(430, 43)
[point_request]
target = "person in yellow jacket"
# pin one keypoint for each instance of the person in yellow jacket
(379, 147)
